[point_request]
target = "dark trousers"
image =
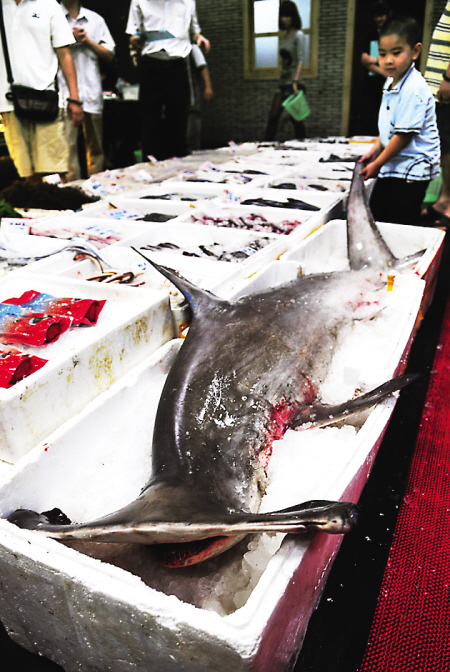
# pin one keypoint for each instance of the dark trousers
(275, 114)
(398, 201)
(164, 99)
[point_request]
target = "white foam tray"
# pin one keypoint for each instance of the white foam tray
(326, 201)
(307, 221)
(145, 207)
(309, 184)
(189, 236)
(285, 157)
(25, 246)
(254, 162)
(84, 361)
(326, 249)
(196, 190)
(88, 615)
(341, 171)
(91, 228)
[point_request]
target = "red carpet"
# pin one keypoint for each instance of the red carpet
(411, 627)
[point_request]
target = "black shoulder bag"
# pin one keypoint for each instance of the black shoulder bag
(29, 103)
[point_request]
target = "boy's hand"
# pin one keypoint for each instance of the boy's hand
(444, 92)
(371, 170)
(369, 156)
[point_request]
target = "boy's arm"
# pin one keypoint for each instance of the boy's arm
(394, 146)
(74, 109)
(208, 93)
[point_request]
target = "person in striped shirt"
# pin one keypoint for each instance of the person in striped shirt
(437, 75)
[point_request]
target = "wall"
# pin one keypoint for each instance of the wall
(240, 107)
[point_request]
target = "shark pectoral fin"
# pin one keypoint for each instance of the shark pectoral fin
(317, 515)
(320, 415)
(409, 261)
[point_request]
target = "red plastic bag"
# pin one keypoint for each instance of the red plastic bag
(15, 366)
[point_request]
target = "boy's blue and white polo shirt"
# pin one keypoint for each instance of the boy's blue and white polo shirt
(409, 107)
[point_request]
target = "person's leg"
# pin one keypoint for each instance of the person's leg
(153, 80)
(72, 138)
(397, 201)
(93, 136)
(274, 116)
(299, 129)
(49, 148)
(177, 100)
(17, 134)
(194, 130)
(442, 205)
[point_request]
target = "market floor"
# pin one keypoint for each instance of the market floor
(338, 631)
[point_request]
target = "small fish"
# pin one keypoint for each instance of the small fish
(248, 370)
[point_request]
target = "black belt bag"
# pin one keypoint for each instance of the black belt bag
(34, 104)
(28, 103)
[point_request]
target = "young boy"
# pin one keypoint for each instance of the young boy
(406, 154)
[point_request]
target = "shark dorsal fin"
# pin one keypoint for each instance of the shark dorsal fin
(199, 299)
(366, 247)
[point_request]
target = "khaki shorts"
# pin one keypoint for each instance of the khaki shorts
(36, 147)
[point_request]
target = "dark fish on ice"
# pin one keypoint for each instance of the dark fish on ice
(248, 370)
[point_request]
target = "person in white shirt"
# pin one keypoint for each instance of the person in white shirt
(38, 39)
(162, 31)
(93, 42)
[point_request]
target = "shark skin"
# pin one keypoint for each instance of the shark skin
(248, 370)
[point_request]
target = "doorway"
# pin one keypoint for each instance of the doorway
(361, 113)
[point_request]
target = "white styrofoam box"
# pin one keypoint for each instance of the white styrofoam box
(285, 156)
(130, 92)
(326, 249)
(100, 233)
(70, 607)
(328, 171)
(310, 184)
(340, 146)
(146, 206)
(190, 236)
(307, 221)
(38, 214)
(327, 201)
(92, 228)
(18, 248)
(122, 258)
(253, 166)
(105, 209)
(84, 362)
(194, 191)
